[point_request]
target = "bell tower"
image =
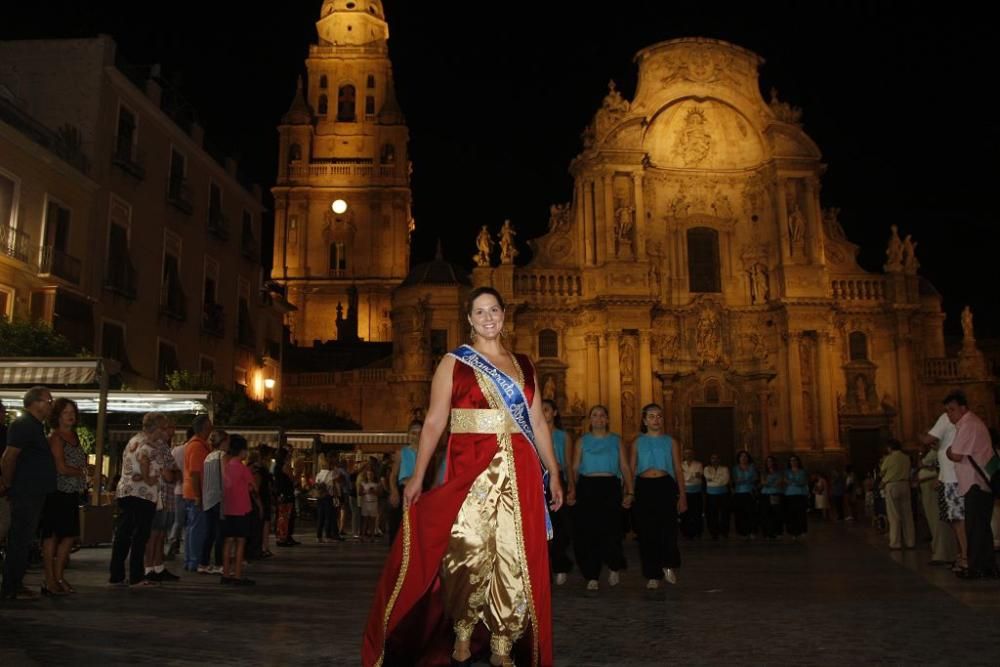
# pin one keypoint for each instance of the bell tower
(343, 141)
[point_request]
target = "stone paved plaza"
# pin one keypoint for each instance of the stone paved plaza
(840, 598)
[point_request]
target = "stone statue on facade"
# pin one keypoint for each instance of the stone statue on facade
(759, 291)
(507, 250)
(627, 358)
(795, 223)
(558, 216)
(484, 245)
(910, 263)
(624, 222)
(613, 101)
(861, 393)
(894, 251)
(708, 342)
(831, 225)
(968, 333)
(784, 111)
(549, 389)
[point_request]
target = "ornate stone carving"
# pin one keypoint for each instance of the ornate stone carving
(784, 111)
(613, 101)
(694, 141)
(894, 251)
(831, 225)
(507, 250)
(484, 245)
(910, 263)
(559, 217)
(755, 193)
(624, 224)
(759, 290)
(627, 359)
(758, 347)
(708, 337)
(721, 206)
(628, 410)
(549, 388)
(699, 64)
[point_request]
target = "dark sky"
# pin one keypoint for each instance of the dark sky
(497, 93)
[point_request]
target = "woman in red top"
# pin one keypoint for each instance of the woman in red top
(470, 565)
(238, 488)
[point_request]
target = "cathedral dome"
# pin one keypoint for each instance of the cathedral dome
(438, 271)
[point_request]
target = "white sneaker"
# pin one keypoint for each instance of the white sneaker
(670, 575)
(215, 569)
(560, 578)
(592, 585)
(652, 584)
(613, 578)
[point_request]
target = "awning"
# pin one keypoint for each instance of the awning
(88, 400)
(53, 371)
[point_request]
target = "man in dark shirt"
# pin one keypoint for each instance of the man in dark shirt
(28, 475)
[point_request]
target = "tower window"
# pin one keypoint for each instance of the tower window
(345, 104)
(294, 152)
(322, 81)
(371, 81)
(388, 155)
(548, 343)
(321, 107)
(338, 257)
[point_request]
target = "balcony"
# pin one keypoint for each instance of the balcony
(121, 277)
(553, 285)
(273, 348)
(14, 243)
(217, 225)
(213, 320)
(858, 288)
(179, 196)
(59, 264)
(128, 160)
(173, 302)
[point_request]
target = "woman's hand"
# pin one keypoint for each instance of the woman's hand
(412, 491)
(682, 504)
(394, 497)
(556, 491)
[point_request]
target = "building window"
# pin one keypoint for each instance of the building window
(322, 105)
(212, 313)
(858, 344)
(172, 298)
(8, 206)
(371, 82)
(125, 140)
(548, 343)
(55, 259)
(345, 104)
(166, 362)
(113, 343)
(369, 107)
(703, 260)
(322, 81)
(338, 257)
(294, 152)
(388, 155)
(6, 302)
(206, 368)
(178, 169)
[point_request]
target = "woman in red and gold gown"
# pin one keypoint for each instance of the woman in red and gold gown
(469, 567)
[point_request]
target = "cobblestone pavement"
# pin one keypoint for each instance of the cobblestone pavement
(839, 598)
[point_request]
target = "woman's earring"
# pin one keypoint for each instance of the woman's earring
(472, 335)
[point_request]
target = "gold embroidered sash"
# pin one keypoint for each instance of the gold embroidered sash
(469, 420)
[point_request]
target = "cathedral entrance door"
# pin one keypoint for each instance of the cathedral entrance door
(865, 449)
(713, 432)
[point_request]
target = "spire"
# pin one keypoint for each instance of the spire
(299, 112)
(391, 114)
(438, 253)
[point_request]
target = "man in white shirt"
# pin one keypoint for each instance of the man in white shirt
(942, 504)
(692, 520)
(717, 498)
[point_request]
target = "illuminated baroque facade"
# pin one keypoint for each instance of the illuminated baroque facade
(695, 267)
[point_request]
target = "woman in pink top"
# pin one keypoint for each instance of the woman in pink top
(238, 491)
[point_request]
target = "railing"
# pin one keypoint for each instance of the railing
(179, 196)
(217, 225)
(121, 277)
(14, 243)
(173, 302)
(552, 284)
(128, 160)
(59, 264)
(942, 369)
(858, 289)
(321, 170)
(213, 320)
(368, 375)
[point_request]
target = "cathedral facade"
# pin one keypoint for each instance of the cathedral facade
(693, 267)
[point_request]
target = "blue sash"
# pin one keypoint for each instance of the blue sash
(516, 403)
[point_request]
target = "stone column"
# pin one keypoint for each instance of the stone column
(601, 221)
(782, 205)
(593, 370)
(815, 218)
(795, 418)
(904, 380)
(640, 216)
(609, 216)
(603, 359)
(645, 368)
(827, 408)
(587, 208)
(614, 381)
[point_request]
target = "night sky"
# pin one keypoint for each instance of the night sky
(496, 95)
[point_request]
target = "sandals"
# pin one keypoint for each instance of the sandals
(64, 585)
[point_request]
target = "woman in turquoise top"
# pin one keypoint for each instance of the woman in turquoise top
(771, 482)
(656, 458)
(599, 464)
(796, 497)
(559, 561)
(402, 469)
(744, 479)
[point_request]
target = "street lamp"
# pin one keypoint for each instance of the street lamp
(339, 206)
(269, 383)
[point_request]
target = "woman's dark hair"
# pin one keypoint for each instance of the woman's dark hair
(556, 418)
(749, 458)
(646, 408)
(280, 457)
(478, 292)
(770, 460)
(57, 410)
(237, 443)
(590, 413)
(795, 458)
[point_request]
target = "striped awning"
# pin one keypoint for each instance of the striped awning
(55, 371)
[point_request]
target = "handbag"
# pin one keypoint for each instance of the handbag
(992, 480)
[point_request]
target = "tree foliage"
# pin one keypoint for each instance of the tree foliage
(20, 338)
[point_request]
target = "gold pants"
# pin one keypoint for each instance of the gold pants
(482, 575)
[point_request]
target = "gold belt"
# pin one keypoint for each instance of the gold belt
(469, 420)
